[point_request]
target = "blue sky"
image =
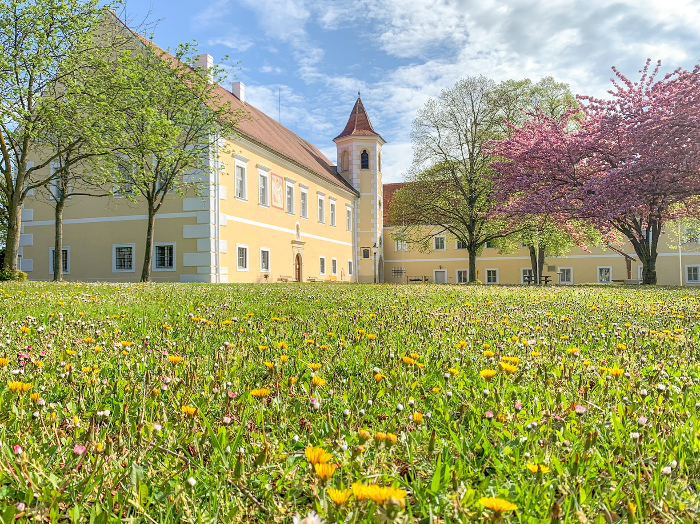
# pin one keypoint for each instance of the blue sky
(317, 54)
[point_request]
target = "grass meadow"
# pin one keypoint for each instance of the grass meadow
(348, 403)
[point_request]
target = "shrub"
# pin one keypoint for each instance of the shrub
(8, 274)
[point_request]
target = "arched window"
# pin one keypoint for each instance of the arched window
(379, 162)
(364, 158)
(344, 164)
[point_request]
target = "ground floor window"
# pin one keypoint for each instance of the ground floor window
(164, 256)
(264, 260)
(65, 260)
(462, 276)
(492, 276)
(334, 266)
(640, 272)
(322, 265)
(123, 258)
(604, 275)
(350, 267)
(566, 275)
(692, 273)
(242, 258)
(398, 272)
(526, 274)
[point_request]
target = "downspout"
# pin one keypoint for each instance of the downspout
(217, 219)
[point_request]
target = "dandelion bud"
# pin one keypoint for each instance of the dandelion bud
(191, 481)
(673, 464)
(449, 394)
(346, 412)
(376, 370)
(399, 408)
(369, 402)
(21, 506)
(411, 402)
(526, 455)
(226, 420)
(634, 435)
(362, 412)
(644, 393)
(295, 438)
(666, 470)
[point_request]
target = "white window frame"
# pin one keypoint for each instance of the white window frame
(348, 218)
(457, 246)
(350, 264)
(303, 192)
(269, 261)
(247, 257)
(321, 209)
(640, 272)
(322, 267)
(51, 251)
(114, 258)
(398, 272)
(244, 167)
(154, 258)
(444, 243)
(457, 281)
(687, 280)
(289, 184)
(334, 266)
(436, 271)
(262, 174)
(332, 209)
(523, 270)
(53, 186)
(598, 268)
(486, 276)
(400, 246)
(571, 270)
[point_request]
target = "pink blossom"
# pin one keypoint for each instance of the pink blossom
(78, 449)
(17, 449)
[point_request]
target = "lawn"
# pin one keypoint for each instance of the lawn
(195, 403)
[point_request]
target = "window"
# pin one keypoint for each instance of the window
(379, 162)
(462, 276)
(439, 243)
(492, 276)
(461, 245)
(263, 188)
(526, 274)
(348, 219)
(364, 160)
(490, 244)
(349, 267)
(264, 260)
(56, 183)
(322, 265)
(605, 275)
(124, 176)
(334, 266)
(566, 275)
(123, 258)
(164, 256)
(400, 245)
(691, 236)
(398, 272)
(304, 203)
(640, 272)
(321, 210)
(332, 214)
(242, 257)
(65, 260)
(240, 182)
(692, 273)
(344, 165)
(365, 253)
(290, 197)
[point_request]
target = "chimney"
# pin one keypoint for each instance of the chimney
(239, 91)
(205, 62)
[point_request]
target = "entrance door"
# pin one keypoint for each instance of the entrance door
(297, 268)
(440, 276)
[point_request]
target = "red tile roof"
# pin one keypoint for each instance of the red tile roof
(358, 123)
(267, 132)
(388, 193)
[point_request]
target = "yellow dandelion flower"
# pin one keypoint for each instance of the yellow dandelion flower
(325, 471)
(269, 365)
(284, 358)
(453, 371)
(616, 371)
(415, 356)
(486, 345)
(418, 417)
(408, 360)
(488, 374)
(391, 438)
(535, 353)
(189, 410)
(318, 381)
(380, 436)
(4, 362)
(315, 366)
(70, 352)
(174, 359)
(497, 505)
(489, 353)
(379, 377)
(260, 393)
(35, 397)
(371, 336)
(316, 455)
(293, 380)
(461, 344)
(339, 496)
(359, 491)
(508, 368)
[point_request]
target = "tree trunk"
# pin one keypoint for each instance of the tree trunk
(540, 265)
(146, 271)
(649, 267)
(14, 227)
(58, 241)
(533, 259)
(472, 264)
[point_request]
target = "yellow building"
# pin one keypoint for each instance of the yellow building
(447, 263)
(275, 209)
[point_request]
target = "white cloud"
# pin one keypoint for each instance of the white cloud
(237, 43)
(213, 12)
(270, 69)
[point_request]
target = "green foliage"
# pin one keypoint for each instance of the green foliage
(603, 395)
(9, 274)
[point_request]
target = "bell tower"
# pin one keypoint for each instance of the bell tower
(359, 157)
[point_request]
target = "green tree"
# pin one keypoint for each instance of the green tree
(174, 129)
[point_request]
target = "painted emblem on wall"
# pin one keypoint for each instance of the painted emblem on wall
(277, 191)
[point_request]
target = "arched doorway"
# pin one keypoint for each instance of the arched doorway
(297, 268)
